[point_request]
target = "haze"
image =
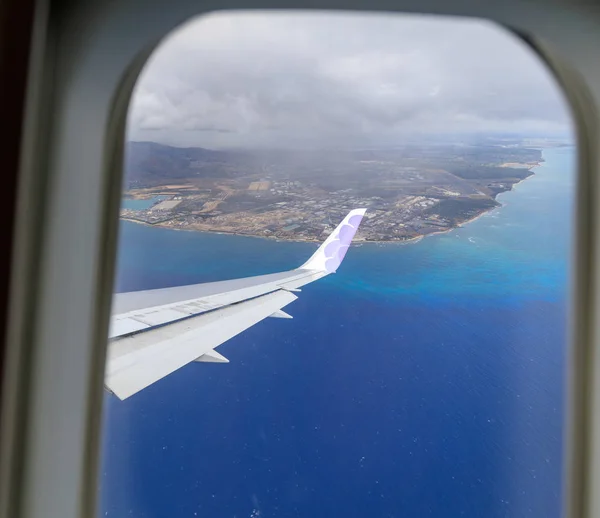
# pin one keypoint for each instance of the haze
(282, 80)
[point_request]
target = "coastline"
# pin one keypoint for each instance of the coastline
(412, 240)
(252, 236)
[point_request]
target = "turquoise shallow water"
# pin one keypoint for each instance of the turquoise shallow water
(140, 204)
(420, 380)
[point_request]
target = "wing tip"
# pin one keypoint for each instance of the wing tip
(330, 254)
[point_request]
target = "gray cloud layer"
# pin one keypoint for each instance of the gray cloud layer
(283, 80)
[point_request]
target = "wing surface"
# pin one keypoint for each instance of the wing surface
(155, 332)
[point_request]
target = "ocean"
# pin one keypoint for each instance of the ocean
(421, 380)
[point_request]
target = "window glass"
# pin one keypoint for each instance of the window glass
(424, 375)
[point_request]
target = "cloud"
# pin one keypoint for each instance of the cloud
(315, 79)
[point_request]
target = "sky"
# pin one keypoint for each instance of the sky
(302, 80)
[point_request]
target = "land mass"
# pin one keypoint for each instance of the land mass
(409, 191)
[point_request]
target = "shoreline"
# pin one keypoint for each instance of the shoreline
(251, 236)
(412, 240)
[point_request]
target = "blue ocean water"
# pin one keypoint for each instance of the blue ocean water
(421, 380)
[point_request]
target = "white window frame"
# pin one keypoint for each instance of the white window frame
(86, 57)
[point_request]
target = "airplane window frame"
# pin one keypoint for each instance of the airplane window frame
(75, 171)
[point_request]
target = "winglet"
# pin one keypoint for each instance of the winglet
(330, 254)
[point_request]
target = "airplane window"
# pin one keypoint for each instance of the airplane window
(402, 186)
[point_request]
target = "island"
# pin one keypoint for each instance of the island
(410, 191)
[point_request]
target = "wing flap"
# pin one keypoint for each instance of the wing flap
(281, 314)
(139, 360)
(212, 357)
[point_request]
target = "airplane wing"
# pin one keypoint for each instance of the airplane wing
(155, 332)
